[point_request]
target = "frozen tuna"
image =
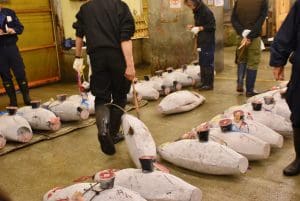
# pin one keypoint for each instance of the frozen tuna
(193, 71)
(146, 91)
(40, 118)
(157, 185)
(67, 110)
(245, 125)
(204, 157)
(14, 127)
(249, 146)
(138, 139)
(91, 191)
(86, 100)
(264, 116)
(181, 101)
(184, 79)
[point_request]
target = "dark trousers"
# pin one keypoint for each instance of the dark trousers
(108, 82)
(207, 67)
(10, 59)
(293, 100)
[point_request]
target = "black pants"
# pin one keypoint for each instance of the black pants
(293, 100)
(108, 81)
(10, 59)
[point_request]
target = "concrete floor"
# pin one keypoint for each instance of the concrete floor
(29, 173)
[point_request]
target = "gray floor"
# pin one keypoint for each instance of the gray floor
(29, 173)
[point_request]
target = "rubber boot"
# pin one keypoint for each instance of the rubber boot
(115, 123)
(25, 91)
(294, 168)
(208, 79)
(11, 93)
(241, 71)
(103, 124)
(250, 82)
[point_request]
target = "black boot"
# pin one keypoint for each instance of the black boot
(25, 91)
(208, 79)
(103, 124)
(11, 93)
(294, 168)
(250, 82)
(115, 123)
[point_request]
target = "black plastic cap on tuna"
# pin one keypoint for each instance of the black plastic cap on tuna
(147, 163)
(12, 110)
(257, 105)
(170, 70)
(203, 132)
(107, 179)
(159, 73)
(62, 97)
(147, 78)
(226, 125)
(35, 104)
(269, 100)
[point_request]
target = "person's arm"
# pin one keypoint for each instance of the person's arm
(239, 28)
(78, 26)
(127, 51)
(260, 21)
(210, 24)
(15, 27)
(285, 42)
(127, 29)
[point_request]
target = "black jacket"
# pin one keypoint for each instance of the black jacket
(204, 17)
(104, 23)
(256, 27)
(286, 42)
(8, 18)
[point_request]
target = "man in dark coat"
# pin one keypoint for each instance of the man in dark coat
(10, 57)
(247, 19)
(287, 45)
(205, 27)
(108, 26)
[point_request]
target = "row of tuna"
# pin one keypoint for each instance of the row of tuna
(17, 124)
(163, 83)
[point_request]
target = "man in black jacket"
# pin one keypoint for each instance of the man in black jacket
(287, 43)
(247, 19)
(10, 58)
(108, 27)
(205, 27)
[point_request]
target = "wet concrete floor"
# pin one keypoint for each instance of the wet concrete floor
(29, 173)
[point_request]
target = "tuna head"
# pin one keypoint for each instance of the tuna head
(2, 141)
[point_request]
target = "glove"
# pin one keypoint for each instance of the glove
(78, 64)
(195, 30)
(246, 32)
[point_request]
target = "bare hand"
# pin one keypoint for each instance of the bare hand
(130, 73)
(11, 31)
(1, 31)
(189, 27)
(245, 42)
(278, 73)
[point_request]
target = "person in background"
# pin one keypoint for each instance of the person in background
(108, 27)
(247, 19)
(10, 58)
(205, 27)
(287, 45)
(4, 196)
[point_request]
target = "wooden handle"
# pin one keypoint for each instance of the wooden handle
(136, 103)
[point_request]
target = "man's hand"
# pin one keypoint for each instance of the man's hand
(10, 31)
(244, 43)
(1, 31)
(78, 65)
(189, 27)
(278, 73)
(130, 73)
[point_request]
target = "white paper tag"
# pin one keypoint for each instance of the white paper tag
(9, 19)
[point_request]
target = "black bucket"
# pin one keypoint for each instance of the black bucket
(35, 104)
(226, 125)
(107, 179)
(147, 163)
(257, 105)
(203, 132)
(11, 110)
